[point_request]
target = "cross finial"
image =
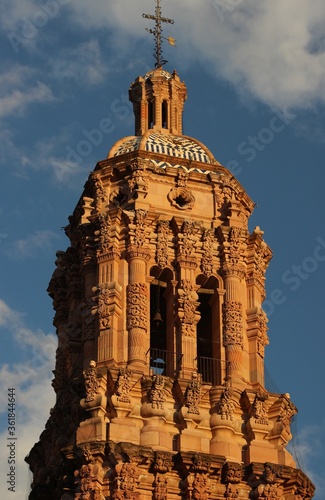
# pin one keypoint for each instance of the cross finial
(157, 32)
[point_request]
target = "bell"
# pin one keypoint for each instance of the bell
(157, 319)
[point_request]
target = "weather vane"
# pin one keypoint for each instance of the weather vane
(157, 32)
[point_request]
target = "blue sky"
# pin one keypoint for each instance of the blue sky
(255, 74)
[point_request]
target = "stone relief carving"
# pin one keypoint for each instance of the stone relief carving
(103, 306)
(162, 462)
(123, 385)
(207, 247)
(226, 407)
(160, 487)
(232, 476)
(260, 408)
(157, 395)
(126, 481)
(182, 178)
(232, 312)
(188, 303)
(262, 338)
(139, 237)
(103, 238)
(186, 237)
(200, 487)
(137, 305)
(287, 411)
(99, 192)
(162, 243)
(91, 382)
(84, 482)
(138, 182)
(193, 394)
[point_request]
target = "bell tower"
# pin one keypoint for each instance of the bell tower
(159, 374)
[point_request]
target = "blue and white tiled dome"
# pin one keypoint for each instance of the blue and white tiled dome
(181, 147)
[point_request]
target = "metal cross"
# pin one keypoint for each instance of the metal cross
(157, 32)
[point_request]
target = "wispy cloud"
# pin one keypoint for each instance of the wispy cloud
(83, 64)
(31, 379)
(308, 447)
(18, 91)
(32, 247)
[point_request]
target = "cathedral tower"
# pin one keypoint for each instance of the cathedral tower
(159, 374)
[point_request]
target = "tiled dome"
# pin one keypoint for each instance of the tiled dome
(166, 144)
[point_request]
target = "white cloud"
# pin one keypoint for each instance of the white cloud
(82, 64)
(34, 397)
(32, 247)
(308, 447)
(18, 91)
(273, 51)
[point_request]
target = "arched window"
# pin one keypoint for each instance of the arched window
(162, 357)
(209, 355)
(164, 114)
(151, 114)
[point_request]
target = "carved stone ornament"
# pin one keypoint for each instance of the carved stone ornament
(262, 338)
(99, 191)
(260, 408)
(126, 481)
(207, 247)
(200, 487)
(188, 303)
(103, 306)
(162, 462)
(138, 182)
(232, 473)
(187, 238)
(160, 487)
(157, 395)
(232, 312)
(226, 407)
(181, 198)
(182, 178)
(193, 394)
(84, 482)
(123, 385)
(139, 237)
(137, 305)
(232, 258)
(91, 382)
(201, 463)
(162, 244)
(287, 411)
(103, 238)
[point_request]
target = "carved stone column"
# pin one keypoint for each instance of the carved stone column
(233, 271)
(137, 292)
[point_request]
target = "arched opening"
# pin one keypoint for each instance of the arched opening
(162, 357)
(209, 356)
(151, 114)
(164, 114)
